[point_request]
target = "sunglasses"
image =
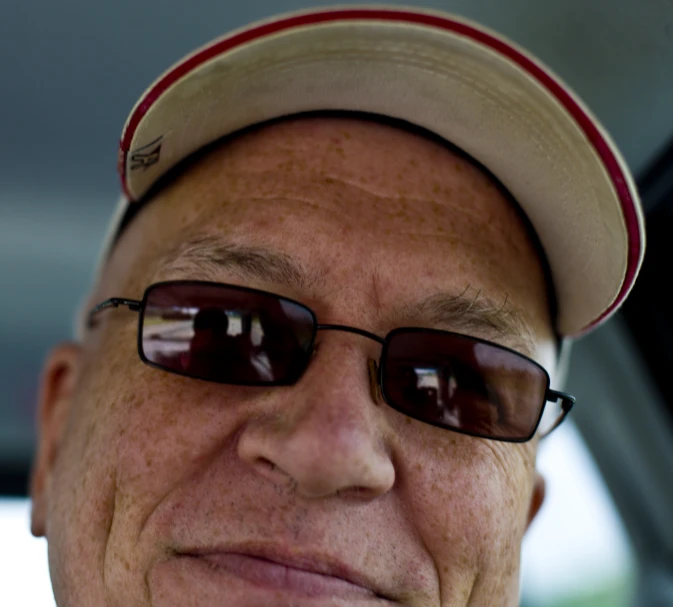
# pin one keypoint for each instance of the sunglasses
(247, 337)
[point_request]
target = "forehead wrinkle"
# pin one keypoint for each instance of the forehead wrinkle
(206, 256)
(478, 315)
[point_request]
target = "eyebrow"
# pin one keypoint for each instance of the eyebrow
(205, 256)
(477, 315)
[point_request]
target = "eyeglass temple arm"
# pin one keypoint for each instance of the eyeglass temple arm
(567, 402)
(114, 302)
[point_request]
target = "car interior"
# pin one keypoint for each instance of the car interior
(70, 73)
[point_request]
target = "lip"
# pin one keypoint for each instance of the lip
(308, 574)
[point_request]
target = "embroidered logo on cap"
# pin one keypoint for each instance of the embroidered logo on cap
(147, 155)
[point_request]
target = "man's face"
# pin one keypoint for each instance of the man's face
(314, 494)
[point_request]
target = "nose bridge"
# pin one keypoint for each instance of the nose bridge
(337, 383)
(328, 436)
(336, 387)
(354, 330)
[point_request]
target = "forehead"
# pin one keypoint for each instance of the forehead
(350, 200)
(389, 159)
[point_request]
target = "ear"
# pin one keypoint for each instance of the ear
(57, 387)
(536, 499)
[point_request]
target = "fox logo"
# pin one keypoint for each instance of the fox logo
(144, 157)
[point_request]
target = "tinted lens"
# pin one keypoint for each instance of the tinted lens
(458, 382)
(226, 334)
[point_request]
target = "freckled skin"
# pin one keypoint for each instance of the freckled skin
(134, 462)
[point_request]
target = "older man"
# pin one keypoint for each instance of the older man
(316, 361)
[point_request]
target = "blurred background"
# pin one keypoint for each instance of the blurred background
(69, 75)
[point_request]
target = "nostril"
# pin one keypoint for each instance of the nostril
(267, 464)
(272, 472)
(354, 493)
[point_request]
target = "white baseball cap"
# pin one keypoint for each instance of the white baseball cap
(445, 74)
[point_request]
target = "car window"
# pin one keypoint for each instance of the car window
(577, 552)
(23, 558)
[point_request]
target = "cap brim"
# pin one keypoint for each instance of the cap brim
(452, 77)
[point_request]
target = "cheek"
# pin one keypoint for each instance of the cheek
(135, 435)
(469, 501)
(170, 430)
(82, 495)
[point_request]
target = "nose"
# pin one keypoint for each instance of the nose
(325, 435)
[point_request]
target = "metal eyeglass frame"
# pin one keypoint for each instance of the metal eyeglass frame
(567, 400)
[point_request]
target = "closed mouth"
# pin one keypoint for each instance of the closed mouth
(306, 575)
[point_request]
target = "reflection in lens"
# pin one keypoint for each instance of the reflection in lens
(436, 390)
(167, 333)
(458, 382)
(225, 334)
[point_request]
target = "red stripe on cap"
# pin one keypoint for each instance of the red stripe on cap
(583, 120)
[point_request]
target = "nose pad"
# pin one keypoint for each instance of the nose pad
(374, 386)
